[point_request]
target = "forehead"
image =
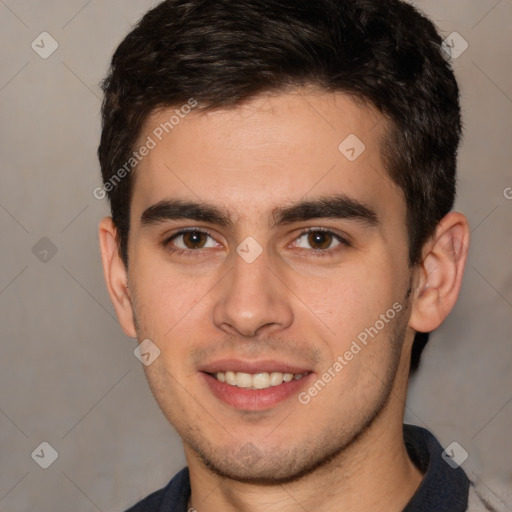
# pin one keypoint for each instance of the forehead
(268, 152)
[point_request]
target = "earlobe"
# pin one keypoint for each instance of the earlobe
(440, 274)
(116, 277)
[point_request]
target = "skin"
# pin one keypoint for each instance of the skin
(344, 449)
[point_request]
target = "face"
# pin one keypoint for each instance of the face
(268, 263)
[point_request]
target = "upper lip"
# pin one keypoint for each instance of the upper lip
(237, 365)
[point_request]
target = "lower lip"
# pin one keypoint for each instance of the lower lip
(255, 399)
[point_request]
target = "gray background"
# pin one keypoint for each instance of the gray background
(68, 375)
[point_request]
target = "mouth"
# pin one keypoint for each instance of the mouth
(252, 386)
(259, 380)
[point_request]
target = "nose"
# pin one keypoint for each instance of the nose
(252, 298)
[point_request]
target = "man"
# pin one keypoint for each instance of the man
(281, 177)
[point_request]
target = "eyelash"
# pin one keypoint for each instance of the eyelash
(318, 253)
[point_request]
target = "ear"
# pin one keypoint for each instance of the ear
(440, 273)
(116, 276)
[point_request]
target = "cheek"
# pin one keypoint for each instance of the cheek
(165, 295)
(346, 300)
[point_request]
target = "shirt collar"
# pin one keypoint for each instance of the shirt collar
(443, 488)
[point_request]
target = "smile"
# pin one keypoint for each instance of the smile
(259, 380)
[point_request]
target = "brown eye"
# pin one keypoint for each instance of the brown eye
(190, 240)
(194, 239)
(320, 240)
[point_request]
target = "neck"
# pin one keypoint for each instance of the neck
(373, 473)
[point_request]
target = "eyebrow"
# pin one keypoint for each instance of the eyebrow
(337, 206)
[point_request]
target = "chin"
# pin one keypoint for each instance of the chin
(273, 467)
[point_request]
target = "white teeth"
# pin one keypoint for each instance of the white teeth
(231, 378)
(243, 380)
(261, 380)
(276, 378)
